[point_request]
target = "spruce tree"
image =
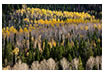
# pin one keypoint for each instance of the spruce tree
(37, 54)
(46, 51)
(69, 57)
(90, 52)
(59, 52)
(30, 42)
(8, 53)
(80, 66)
(30, 57)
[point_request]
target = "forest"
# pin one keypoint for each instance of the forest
(51, 36)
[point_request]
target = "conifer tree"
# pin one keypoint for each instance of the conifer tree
(8, 52)
(30, 42)
(90, 52)
(46, 51)
(69, 57)
(30, 57)
(59, 52)
(80, 66)
(37, 55)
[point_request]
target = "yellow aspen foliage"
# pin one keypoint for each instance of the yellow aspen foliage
(54, 43)
(50, 44)
(27, 54)
(86, 28)
(20, 30)
(32, 38)
(25, 29)
(62, 43)
(95, 26)
(98, 40)
(99, 26)
(16, 51)
(94, 44)
(81, 27)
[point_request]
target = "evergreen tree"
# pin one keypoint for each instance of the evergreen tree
(30, 41)
(23, 57)
(68, 47)
(30, 57)
(15, 39)
(89, 52)
(46, 51)
(80, 67)
(8, 53)
(37, 55)
(95, 52)
(59, 52)
(69, 57)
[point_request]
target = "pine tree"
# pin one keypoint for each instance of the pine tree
(30, 57)
(14, 56)
(80, 66)
(46, 51)
(69, 57)
(30, 41)
(68, 47)
(37, 55)
(23, 57)
(8, 53)
(15, 39)
(59, 52)
(90, 52)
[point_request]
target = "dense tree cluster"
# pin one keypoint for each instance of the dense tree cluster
(93, 9)
(36, 36)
